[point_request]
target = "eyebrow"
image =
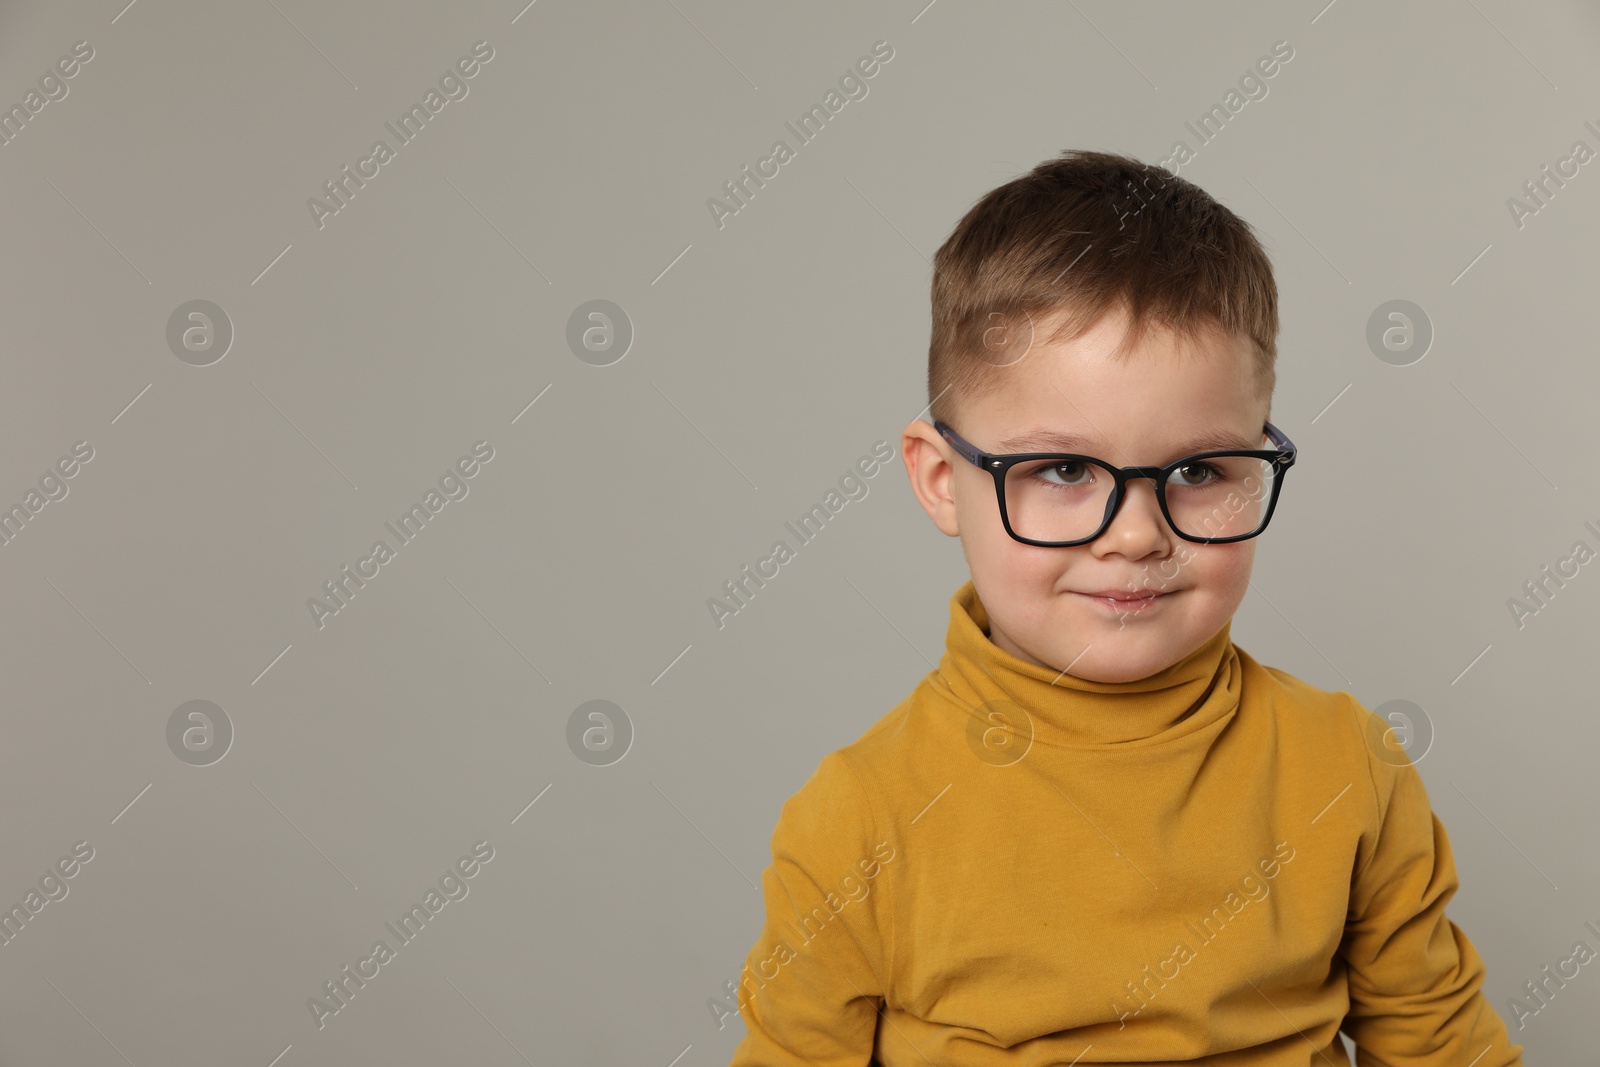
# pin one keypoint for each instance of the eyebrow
(1042, 440)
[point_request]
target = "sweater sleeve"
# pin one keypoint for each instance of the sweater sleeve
(1415, 980)
(813, 984)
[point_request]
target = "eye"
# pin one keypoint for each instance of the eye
(1070, 472)
(1194, 475)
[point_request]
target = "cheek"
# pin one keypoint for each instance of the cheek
(978, 513)
(993, 553)
(974, 496)
(1225, 569)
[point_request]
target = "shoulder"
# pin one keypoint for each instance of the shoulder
(1299, 704)
(1338, 723)
(850, 785)
(1332, 725)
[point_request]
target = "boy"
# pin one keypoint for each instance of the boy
(1100, 832)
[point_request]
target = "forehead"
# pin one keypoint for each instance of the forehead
(1045, 439)
(1164, 397)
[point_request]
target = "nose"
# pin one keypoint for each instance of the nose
(1138, 527)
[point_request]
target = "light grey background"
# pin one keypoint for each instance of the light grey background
(769, 354)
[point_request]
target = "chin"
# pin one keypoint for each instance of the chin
(1112, 656)
(1115, 668)
(1128, 649)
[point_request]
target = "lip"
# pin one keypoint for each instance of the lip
(1118, 594)
(1123, 602)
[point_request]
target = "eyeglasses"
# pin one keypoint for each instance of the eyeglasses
(1057, 499)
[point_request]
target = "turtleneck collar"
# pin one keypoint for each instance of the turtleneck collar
(1070, 712)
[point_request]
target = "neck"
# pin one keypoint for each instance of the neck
(1045, 705)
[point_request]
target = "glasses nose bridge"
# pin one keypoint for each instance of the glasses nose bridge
(1153, 473)
(1128, 475)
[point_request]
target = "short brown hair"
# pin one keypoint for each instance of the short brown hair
(1080, 235)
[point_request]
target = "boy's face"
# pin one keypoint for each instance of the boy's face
(1144, 410)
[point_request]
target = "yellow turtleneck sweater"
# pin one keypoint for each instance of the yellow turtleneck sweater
(1015, 867)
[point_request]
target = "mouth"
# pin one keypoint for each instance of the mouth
(1122, 600)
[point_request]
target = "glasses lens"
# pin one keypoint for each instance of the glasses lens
(1221, 496)
(1057, 500)
(1067, 500)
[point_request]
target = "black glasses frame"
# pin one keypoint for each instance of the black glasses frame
(998, 465)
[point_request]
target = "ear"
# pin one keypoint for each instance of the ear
(929, 461)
